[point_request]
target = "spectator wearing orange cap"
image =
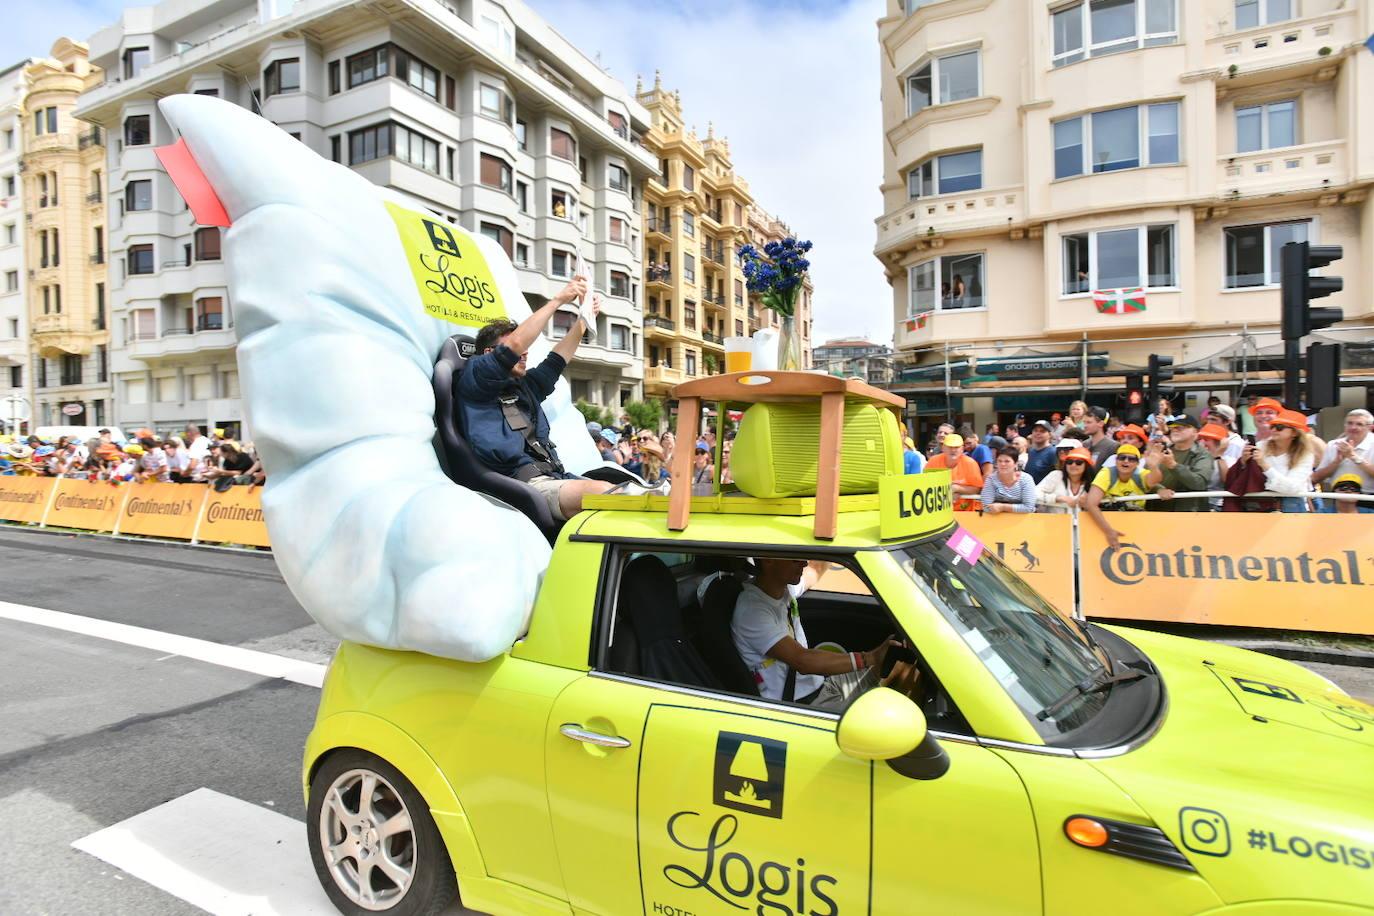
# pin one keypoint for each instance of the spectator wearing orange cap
(964, 472)
(1213, 437)
(1265, 410)
(1129, 434)
(1122, 481)
(1287, 459)
(1066, 487)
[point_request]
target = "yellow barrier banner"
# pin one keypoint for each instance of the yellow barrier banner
(234, 517)
(163, 510)
(1039, 548)
(1298, 572)
(23, 499)
(87, 505)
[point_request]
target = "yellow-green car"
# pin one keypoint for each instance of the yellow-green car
(615, 762)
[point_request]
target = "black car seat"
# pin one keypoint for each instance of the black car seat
(716, 642)
(456, 456)
(648, 638)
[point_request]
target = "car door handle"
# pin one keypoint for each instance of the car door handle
(578, 733)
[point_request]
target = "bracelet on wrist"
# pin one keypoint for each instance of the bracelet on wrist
(856, 661)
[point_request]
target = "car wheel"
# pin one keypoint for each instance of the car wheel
(373, 842)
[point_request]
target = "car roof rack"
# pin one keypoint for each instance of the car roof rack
(767, 387)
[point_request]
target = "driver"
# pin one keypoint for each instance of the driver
(500, 398)
(768, 635)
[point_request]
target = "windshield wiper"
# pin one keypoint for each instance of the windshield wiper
(1093, 683)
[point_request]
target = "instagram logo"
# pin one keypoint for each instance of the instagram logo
(1204, 831)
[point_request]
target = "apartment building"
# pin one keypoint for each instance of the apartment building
(1041, 157)
(64, 217)
(477, 109)
(765, 228)
(855, 357)
(15, 398)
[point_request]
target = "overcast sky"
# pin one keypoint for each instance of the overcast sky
(792, 83)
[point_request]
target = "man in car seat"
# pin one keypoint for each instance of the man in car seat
(768, 635)
(500, 398)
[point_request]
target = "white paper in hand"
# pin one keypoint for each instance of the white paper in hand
(584, 306)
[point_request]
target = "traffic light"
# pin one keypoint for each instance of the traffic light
(1323, 376)
(1161, 370)
(1132, 408)
(1299, 288)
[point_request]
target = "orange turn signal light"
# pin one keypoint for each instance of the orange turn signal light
(1086, 832)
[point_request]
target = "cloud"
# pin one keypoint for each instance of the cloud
(31, 26)
(796, 91)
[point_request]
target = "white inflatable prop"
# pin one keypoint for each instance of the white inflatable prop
(338, 335)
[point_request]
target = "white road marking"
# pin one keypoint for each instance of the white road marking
(264, 664)
(219, 853)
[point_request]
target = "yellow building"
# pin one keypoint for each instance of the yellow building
(63, 168)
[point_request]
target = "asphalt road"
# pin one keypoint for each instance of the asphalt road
(177, 778)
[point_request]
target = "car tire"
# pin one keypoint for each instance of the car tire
(382, 856)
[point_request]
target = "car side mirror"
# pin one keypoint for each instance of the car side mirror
(882, 724)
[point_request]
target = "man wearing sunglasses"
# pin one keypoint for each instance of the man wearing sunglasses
(1122, 480)
(1180, 466)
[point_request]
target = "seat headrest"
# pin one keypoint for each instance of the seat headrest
(458, 349)
(648, 600)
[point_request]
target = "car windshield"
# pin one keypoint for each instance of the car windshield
(1037, 654)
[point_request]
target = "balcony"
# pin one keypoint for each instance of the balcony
(92, 137)
(94, 198)
(659, 225)
(950, 214)
(663, 375)
(716, 300)
(660, 325)
(714, 253)
(714, 340)
(1309, 167)
(178, 342)
(98, 258)
(1286, 50)
(49, 142)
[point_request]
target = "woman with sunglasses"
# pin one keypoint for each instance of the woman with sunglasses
(1067, 487)
(1123, 480)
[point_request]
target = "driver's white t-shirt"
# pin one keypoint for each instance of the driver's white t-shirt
(760, 621)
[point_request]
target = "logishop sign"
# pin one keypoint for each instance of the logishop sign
(727, 824)
(1274, 570)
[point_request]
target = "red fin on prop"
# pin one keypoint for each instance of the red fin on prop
(195, 188)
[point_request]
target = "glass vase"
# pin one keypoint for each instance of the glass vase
(789, 345)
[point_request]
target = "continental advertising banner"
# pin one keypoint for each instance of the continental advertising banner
(234, 517)
(163, 510)
(1039, 548)
(24, 499)
(85, 505)
(1299, 572)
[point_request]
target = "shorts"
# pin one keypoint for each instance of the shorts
(549, 487)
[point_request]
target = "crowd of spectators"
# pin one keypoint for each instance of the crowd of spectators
(1086, 459)
(192, 458)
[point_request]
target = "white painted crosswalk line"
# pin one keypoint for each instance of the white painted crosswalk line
(262, 663)
(219, 853)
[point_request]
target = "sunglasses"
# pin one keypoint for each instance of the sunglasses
(1130, 458)
(1078, 461)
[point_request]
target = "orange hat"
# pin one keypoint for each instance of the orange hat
(1292, 419)
(1134, 430)
(1082, 453)
(1213, 431)
(1265, 402)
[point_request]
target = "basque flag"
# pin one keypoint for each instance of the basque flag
(1119, 301)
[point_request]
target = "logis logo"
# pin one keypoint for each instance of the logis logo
(750, 774)
(732, 877)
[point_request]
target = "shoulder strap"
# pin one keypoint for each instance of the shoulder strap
(789, 687)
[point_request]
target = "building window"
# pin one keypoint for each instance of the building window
(11, 281)
(71, 369)
(16, 376)
(522, 196)
(616, 229)
(562, 145)
(948, 283)
(335, 78)
(501, 236)
(135, 59)
(496, 103)
(10, 186)
(951, 78)
(207, 244)
(1270, 126)
(947, 174)
(499, 34)
(416, 73)
(619, 178)
(415, 148)
(495, 172)
(1140, 256)
(1252, 13)
(100, 307)
(44, 121)
(1092, 28)
(561, 264)
(140, 259)
(691, 357)
(689, 177)
(522, 131)
(210, 313)
(138, 130)
(1119, 138)
(563, 323)
(620, 285)
(281, 76)
(138, 195)
(522, 254)
(689, 223)
(212, 93)
(620, 337)
(560, 204)
(367, 66)
(689, 268)
(1253, 252)
(618, 124)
